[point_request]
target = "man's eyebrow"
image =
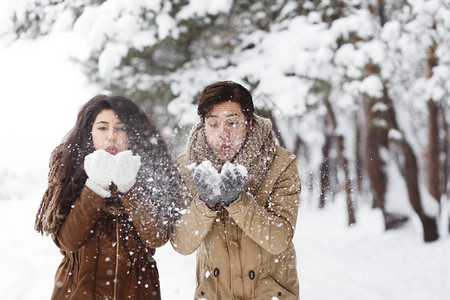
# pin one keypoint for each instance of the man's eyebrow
(233, 115)
(227, 116)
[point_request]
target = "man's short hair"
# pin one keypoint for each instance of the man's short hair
(223, 91)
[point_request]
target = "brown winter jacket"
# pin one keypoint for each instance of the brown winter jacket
(245, 251)
(107, 247)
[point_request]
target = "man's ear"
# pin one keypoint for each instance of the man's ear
(250, 122)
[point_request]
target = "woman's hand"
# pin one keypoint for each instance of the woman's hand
(99, 166)
(125, 170)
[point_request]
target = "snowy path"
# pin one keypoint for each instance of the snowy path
(366, 263)
(335, 263)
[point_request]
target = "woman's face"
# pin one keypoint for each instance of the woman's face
(225, 129)
(109, 133)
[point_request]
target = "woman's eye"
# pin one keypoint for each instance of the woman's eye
(102, 128)
(214, 125)
(121, 129)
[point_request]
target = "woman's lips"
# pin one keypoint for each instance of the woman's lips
(112, 150)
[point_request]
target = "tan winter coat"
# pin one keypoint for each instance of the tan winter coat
(245, 251)
(107, 247)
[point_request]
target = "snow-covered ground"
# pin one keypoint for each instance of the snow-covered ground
(334, 262)
(41, 95)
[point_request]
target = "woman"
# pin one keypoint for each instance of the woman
(111, 199)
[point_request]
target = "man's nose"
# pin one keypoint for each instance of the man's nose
(224, 132)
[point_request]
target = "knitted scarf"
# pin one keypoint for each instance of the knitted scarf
(51, 213)
(256, 154)
(49, 216)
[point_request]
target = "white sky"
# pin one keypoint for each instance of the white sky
(41, 95)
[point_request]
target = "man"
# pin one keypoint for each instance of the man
(244, 196)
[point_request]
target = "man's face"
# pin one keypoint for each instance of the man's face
(226, 129)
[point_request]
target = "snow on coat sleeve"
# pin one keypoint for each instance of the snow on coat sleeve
(271, 226)
(151, 227)
(80, 221)
(194, 225)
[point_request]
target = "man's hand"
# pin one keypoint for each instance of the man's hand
(233, 178)
(206, 180)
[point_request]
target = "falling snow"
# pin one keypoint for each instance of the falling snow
(334, 261)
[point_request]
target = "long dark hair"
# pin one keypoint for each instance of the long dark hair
(158, 176)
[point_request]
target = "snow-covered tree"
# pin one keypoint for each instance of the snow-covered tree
(350, 85)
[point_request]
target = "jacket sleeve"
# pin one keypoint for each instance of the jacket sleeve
(195, 223)
(148, 221)
(192, 227)
(80, 221)
(271, 226)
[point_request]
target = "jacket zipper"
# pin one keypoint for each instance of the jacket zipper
(251, 275)
(117, 258)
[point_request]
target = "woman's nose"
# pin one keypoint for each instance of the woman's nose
(111, 135)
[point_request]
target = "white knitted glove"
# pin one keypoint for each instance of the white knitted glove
(125, 170)
(98, 166)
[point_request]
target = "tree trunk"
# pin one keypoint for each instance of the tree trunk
(410, 162)
(381, 12)
(411, 175)
(446, 164)
(358, 157)
(432, 155)
(324, 172)
(330, 125)
(430, 230)
(343, 161)
(298, 145)
(446, 152)
(330, 167)
(433, 169)
(374, 163)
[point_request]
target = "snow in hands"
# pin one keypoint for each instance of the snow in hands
(126, 168)
(233, 180)
(103, 168)
(213, 186)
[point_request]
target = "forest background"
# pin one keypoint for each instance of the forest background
(358, 90)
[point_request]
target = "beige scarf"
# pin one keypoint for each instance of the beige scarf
(257, 152)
